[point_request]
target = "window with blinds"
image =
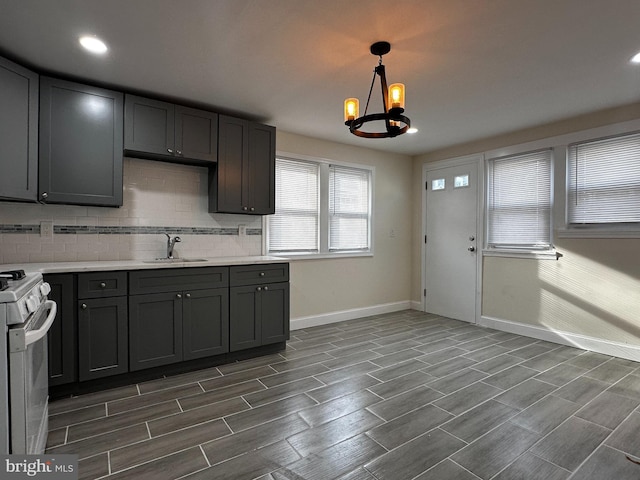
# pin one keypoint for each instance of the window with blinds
(295, 225)
(321, 208)
(349, 208)
(519, 201)
(604, 181)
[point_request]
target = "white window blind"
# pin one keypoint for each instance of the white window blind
(294, 227)
(519, 201)
(349, 208)
(604, 181)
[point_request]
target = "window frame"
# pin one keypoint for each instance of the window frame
(324, 216)
(594, 229)
(529, 250)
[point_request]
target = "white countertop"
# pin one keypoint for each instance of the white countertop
(98, 265)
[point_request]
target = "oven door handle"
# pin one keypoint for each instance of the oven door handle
(34, 335)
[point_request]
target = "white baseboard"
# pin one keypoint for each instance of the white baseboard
(342, 315)
(599, 345)
(416, 306)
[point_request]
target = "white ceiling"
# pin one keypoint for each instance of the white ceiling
(472, 68)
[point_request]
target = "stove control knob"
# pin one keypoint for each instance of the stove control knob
(32, 303)
(45, 288)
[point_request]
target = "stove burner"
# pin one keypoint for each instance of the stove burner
(13, 274)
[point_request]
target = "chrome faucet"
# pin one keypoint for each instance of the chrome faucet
(171, 242)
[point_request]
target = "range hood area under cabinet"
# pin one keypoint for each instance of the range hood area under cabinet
(63, 142)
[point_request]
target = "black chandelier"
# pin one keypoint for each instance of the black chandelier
(392, 100)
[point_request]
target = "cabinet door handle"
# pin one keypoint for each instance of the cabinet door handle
(262, 274)
(103, 285)
(266, 288)
(83, 306)
(188, 295)
(244, 209)
(252, 209)
(178, 295)
(44, 195)
(170, 151)
(179, 152)
(259, 288)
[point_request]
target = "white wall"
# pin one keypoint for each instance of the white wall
(324, 290)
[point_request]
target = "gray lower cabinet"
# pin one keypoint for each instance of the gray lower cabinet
(80, 157)
(164, 131)
(102, 337)
(18, 132)
(103, 326)
(61, 338)
(177, 314)
(155, 330)
(258, 305)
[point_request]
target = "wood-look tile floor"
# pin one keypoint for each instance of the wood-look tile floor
(399, 396)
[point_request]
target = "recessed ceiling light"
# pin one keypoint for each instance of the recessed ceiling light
(636, 58)
(412, 130)
(93, 44)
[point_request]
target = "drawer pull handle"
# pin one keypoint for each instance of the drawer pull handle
(188, 295)
(266, 288)
(83, 306)
(262, 274)
(103, 285)
(259, 288)
(178, 295)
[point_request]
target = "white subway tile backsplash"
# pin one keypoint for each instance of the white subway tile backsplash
(159, 195)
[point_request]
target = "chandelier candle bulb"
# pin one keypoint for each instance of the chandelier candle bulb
(396, 96)
(351, 109)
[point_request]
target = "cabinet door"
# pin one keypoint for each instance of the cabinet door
(149, 126)
(227, 186)
(61, 338)
(274, 313)
(80, 144)
(205, 315)
(196, 134)
(18, 132)
(155, 330)
(261, 172)
(102, 337)
(244, 324)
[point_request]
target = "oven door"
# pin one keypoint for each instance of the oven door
(29, 381)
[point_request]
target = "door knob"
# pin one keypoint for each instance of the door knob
(472, 238)
(472, 248)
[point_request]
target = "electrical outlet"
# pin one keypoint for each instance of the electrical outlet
(46, 229)
(242, 230)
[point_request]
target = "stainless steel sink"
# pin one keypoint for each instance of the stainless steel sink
(175, 260)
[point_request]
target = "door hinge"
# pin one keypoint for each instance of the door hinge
(424, 294)
(425, 239)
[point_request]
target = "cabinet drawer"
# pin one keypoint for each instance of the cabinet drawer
(258, 274)
(172, 280)
(102, 284)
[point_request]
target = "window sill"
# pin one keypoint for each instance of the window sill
(534, 254)
(590, 232)
(321, 256)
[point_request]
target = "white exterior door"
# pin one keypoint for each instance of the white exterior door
(451, 255)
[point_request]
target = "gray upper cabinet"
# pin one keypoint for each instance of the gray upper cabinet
(18, 132)
(80, 144)
(244, 180)
(164, 131)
